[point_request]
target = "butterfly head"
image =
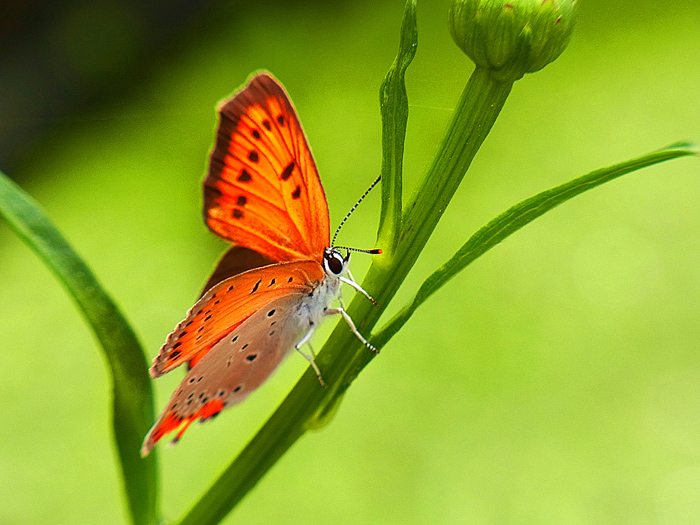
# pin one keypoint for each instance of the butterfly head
(334, 263)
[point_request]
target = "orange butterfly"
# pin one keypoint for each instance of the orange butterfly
(274, 287)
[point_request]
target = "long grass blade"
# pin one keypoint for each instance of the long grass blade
(132, 399)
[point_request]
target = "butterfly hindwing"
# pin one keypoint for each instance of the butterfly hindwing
(227, 305)
(234, 367)
(263, 191)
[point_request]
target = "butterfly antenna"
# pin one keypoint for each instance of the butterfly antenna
(348, 215)
(374, 251)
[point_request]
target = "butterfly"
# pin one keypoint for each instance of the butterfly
(274, 287)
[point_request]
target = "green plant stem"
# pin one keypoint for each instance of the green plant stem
(132, 396)
(480, 104)
(308, 405)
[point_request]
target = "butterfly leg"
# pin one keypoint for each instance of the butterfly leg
(306, 340)
(351, 282)
(348, 320)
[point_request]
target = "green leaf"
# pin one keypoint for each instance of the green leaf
(393, 102)
(133, 399)
(515, 218)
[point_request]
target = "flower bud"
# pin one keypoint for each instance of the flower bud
(512, 37)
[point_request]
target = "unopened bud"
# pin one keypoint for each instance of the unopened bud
(512, 37)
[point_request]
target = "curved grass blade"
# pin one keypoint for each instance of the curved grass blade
(515, 218)
(133, 399)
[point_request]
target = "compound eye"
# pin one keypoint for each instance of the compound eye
(335, 263)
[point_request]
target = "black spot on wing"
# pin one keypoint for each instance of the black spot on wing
(288, 171)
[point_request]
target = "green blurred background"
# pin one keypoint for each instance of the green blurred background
(557, 380)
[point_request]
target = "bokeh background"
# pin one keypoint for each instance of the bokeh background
(557, 380)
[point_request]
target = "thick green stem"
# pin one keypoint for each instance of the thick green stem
(479, 105)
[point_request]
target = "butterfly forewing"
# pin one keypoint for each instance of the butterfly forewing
(263, 190)
(234, 367)
(228, 304)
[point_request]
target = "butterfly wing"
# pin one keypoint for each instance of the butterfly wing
(228, 304)
(235, 366)
(263, 191)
